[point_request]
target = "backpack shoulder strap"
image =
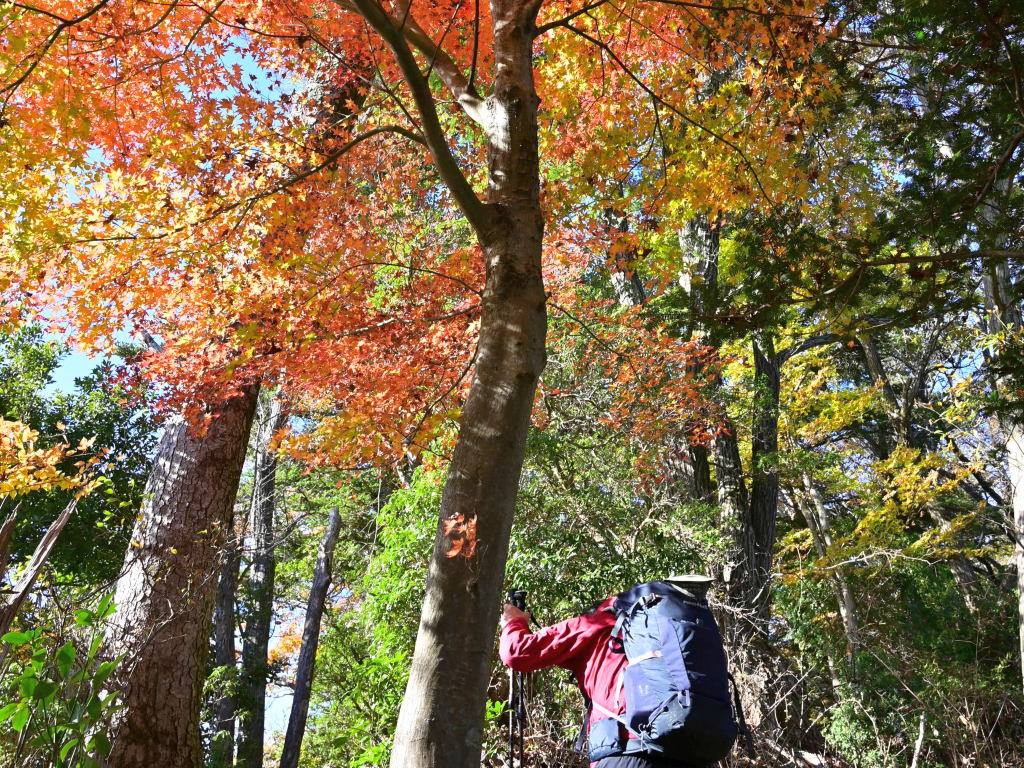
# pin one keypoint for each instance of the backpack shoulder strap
(615, 643)
(587, 708)
(747, 739)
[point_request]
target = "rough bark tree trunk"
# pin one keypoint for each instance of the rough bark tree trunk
(629, 288)
(6, 536)
(764, 485)
(166, 593)
(700, 241)
(260, 599)
(441, 719)
(310, 640)
(223, 746)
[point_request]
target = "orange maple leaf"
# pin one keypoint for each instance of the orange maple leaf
(462, 534)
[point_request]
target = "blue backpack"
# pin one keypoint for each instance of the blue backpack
(676, 682)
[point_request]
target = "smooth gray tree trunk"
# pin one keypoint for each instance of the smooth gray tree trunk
(821, 535)
(442, 715)
(1005, 313)
(306, 665)
(166, 594)
(259, 602)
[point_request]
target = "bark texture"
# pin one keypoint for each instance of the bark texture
(629, 288)
(166, 594)
(764, 486)
(310, 640)
(700, 244)
(223, 747)
(441, 719)
(260, 598)
(6, 536)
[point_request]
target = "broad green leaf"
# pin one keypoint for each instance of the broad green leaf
(44, 689)
(67, 748)
(101, 744)
(16, 638)
(20, 718)
(65, 658)
(95, 646)
(102, 673)
(92, 706)
(106, 607)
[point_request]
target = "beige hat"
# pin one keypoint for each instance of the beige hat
(691, 584)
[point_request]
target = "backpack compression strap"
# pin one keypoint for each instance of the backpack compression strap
(743, 721)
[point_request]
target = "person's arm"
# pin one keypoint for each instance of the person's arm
(525, 651)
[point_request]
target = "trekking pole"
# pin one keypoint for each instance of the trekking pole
(516, 712)
(511, 715)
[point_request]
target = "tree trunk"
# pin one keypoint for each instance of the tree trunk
(687, 463)
(764, 485)
(1015, 455)
(629, 288)
(310, 640)
(818, 523)
(6, 536)
(900, 412)
(700, 242)
(260, 600)
(223, 745)
(9, 608)
(442, 715)
(1005, 313)
(166, 593)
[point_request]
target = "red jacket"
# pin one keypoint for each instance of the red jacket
(579, 645)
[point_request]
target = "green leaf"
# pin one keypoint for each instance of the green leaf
(92, 706)
(106, 607)
(101, 744)
(44, 689)
(20, 718)
(102, 673)
(16, 638)
(84, 617)
(6, 711)
(67, 748)
(65, 658)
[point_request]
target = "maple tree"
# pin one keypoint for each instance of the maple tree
(213, 222)
(24, 468)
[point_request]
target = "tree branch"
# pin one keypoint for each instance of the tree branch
(480, 217)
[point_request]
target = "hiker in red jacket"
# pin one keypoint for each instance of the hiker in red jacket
(581, 646)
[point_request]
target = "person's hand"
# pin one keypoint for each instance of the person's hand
(511, 612)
